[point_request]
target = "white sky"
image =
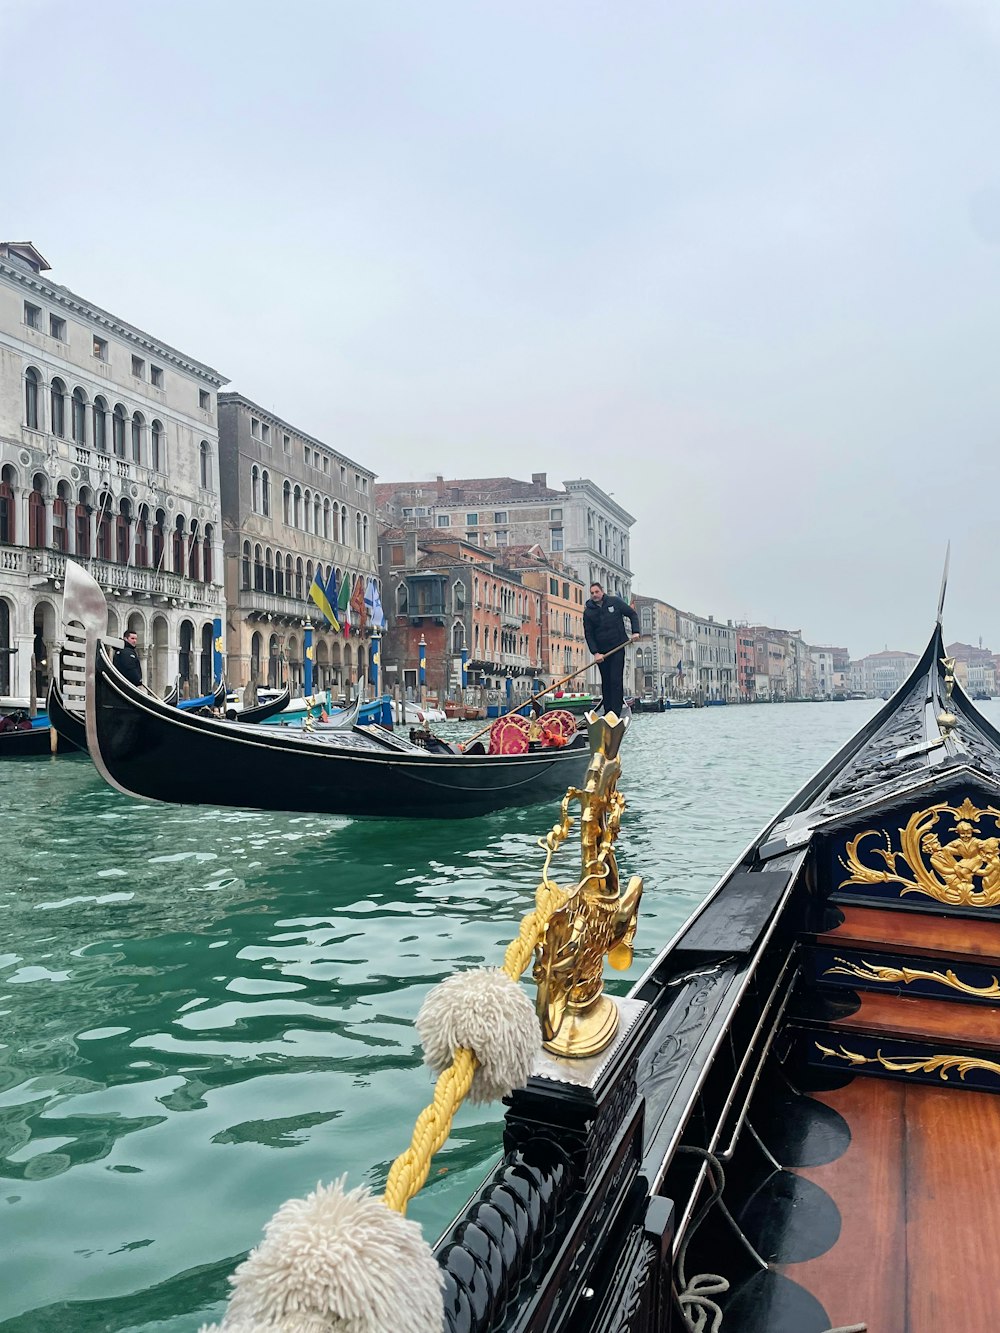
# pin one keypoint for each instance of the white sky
(737, 262)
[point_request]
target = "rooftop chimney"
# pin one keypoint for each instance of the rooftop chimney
(539, 479)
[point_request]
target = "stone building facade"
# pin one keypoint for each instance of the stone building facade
(108, 454)
(290, 503)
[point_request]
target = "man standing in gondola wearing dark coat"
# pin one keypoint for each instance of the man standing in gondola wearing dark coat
(127, 659)
(604, 627)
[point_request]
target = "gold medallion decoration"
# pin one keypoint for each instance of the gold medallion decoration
(963, 871)
(907, 975)
(942, 1065)
(597, 919)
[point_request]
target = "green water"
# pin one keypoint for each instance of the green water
(205, 1012)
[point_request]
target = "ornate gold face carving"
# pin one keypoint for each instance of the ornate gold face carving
(597, 919)
(964, 871)
(942, 1065)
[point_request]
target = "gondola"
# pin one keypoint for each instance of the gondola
(216, 699)
(70, 727)
(173, 694)
(27, 744)
(261, 712)
(148, 750)
(797, 1125)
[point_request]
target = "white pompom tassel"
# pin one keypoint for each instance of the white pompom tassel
(337, 1262)
(485, 1012)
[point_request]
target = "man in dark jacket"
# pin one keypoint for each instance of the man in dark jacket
(127, 659)
(604, 628)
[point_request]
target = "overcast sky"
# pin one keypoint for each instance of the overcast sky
(737, 262)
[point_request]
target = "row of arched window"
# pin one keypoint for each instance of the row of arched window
(88, 524)
(285, 575)
(309, 511)
(108, 430)
(497, 597)
(503, 641)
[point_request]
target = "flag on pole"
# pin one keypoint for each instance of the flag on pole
(331, 597)
(317, 593)
(358, 601)
(344, 605)
(373, 605)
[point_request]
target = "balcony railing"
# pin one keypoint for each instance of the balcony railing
(111, 576)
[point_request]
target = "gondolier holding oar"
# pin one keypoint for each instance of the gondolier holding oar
(127, 658)
(604, 628)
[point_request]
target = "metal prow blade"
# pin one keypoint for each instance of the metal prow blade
(85, 618)
(944, 583)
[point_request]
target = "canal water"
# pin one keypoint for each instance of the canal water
(205, 1012)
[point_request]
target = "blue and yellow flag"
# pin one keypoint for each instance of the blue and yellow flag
(317, 592)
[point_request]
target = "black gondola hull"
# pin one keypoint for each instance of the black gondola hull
(25, 744)
(151, 751)
(71, 729)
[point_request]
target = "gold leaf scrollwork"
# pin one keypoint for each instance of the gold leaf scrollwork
(865, 971)
(597, 920)
(942, 1065)
(963, 871)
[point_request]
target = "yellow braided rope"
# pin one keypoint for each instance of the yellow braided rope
(409, 1171)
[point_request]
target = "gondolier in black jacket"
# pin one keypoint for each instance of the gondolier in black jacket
(127, 659)
(604, 628)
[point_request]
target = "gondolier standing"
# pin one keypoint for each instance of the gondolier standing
(604, 628)
(127, 659)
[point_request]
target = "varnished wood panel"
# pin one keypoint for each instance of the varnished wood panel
(918, 1190)
(933, 1020)
(953, 1210)
(863, 1277)
(916, 933)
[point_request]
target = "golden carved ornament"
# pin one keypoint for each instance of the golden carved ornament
(942, 1065)
(893, 975)
(597, 920)
(961, 872)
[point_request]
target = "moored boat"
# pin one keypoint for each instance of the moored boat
(789, 1125)
(577, 703)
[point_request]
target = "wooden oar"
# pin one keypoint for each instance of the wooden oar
(541, 694)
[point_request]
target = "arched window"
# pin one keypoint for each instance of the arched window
(159, 530)
(101, 425)
(402, 601)
(255, 489)
(180, 564)
(206, 466)
(79, 417)
(104, 527)
(122, 533)
(32, 380)
(357, 530)
(279, 574)
(343, 525)
(309, 574)
(364, 533)
(245, 579)
(137, 425)
(256, 643)
(141, 555)
(286, 503)
(206, 550)
(289, 577)
(457, 637)
(8, 514)
(60, 518)
(326, 519)
(36, 514)
(156, 457)
(268, 571)
(58, 403)
(194, 552)
(258, 568)
(265, 494)
(316, 519)
(297, 507)
(84, 508)
(458, 596)
(118, 430)
(299, 590)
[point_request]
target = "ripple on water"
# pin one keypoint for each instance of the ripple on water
(234, 1022)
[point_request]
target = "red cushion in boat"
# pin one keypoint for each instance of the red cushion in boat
(509, 735)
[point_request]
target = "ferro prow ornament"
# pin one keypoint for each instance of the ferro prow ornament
(597, 920)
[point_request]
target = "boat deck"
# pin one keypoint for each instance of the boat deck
(917, 1190)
